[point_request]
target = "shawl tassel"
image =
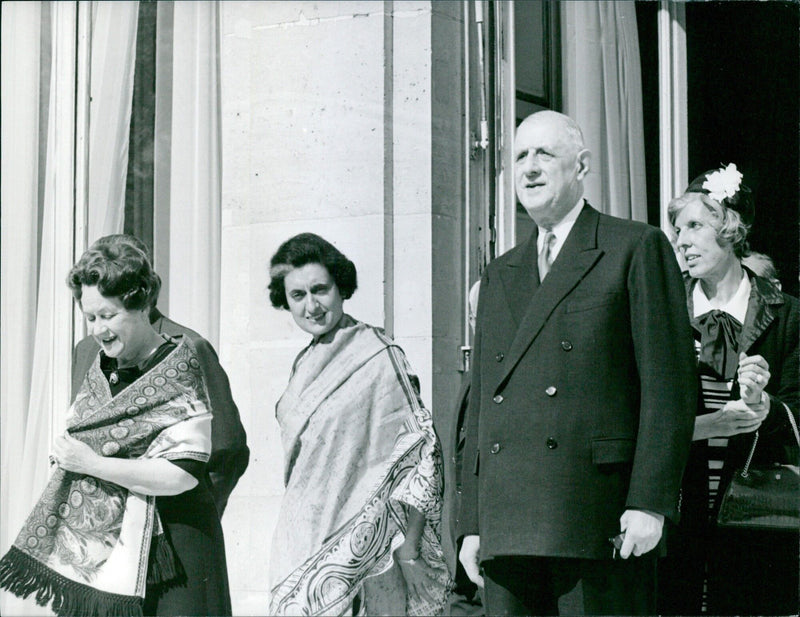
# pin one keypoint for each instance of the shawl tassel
(164, 566)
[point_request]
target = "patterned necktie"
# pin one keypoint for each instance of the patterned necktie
(545, 255)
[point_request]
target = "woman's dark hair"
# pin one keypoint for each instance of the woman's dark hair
(308, 248)
(118, 270)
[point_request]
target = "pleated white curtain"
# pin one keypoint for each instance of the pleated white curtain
(193, 279)
(113, 54)
(38, 235)
(603, 93)
(19, 251)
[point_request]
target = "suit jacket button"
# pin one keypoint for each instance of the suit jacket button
(551, 391)
(498, 398)
(499, 357)
(495, 448)
(566, 345)
(551, 443)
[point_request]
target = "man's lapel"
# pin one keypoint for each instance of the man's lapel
(537, 302)
(520, 278)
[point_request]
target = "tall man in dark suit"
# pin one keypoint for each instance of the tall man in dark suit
(582, 399)
(229, 452)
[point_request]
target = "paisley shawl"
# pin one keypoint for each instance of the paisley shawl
(86, 544)
(359, 450)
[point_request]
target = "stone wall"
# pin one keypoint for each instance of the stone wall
(344, 119)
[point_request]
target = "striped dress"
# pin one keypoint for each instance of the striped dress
(717, 383)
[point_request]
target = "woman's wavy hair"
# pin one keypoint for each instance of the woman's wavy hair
(308, 248)
(731, 229)
(119, 270)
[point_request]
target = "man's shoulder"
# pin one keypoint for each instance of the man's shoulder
(626, 227)
(512, 255)
(626, 235)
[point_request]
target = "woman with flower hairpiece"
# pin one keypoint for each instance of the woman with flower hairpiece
(746, 337)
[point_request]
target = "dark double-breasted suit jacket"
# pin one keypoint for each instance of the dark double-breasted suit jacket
(583, 392)
(229, 452)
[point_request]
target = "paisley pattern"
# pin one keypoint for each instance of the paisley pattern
(76, 525)
(360, 450)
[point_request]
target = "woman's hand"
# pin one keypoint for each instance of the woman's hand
(753, 376)
(734, 418)
(415, 574)
(155, 476)
(73, 455)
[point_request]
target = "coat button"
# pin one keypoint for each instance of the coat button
(566, 345)
(495, 448)
(551, 391)
(499, 357)
(551, 443)
(498, 398)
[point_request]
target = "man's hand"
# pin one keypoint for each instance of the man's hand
(469, 558)
(642, 532)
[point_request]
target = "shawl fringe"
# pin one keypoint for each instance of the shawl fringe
(22, 575)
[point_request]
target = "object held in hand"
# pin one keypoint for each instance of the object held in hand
(616, 544)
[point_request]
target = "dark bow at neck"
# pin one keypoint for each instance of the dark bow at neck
(719, 342)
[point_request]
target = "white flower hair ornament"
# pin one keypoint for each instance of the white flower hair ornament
(723, 183)
(725, 186)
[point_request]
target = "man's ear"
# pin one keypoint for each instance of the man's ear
(584, 163)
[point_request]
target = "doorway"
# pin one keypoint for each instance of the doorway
(742, 92)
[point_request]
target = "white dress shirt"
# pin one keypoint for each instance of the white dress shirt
(560, 231)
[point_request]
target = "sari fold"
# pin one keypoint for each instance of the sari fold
(359, 451)
(85, 547)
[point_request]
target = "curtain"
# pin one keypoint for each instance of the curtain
(39, 145)
(603, 93)
(32, 285)
(21, 24)
(112, 68)
(193, 277)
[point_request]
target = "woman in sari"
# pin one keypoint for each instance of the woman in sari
(746, 337)
(359, 526)
(127, 524)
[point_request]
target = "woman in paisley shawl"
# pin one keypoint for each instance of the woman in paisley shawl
(746, 334)
(359, 526)
(127, 524)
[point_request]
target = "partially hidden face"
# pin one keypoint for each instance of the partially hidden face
(697, 240)
(120, 332)
(314, 299)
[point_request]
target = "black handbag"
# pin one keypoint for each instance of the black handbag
(763, 498)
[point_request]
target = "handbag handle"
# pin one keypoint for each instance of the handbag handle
(746, 469)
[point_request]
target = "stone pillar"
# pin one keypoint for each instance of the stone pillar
(343, 119)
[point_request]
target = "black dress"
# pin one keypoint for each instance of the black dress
(711, 569)
(191, 524)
